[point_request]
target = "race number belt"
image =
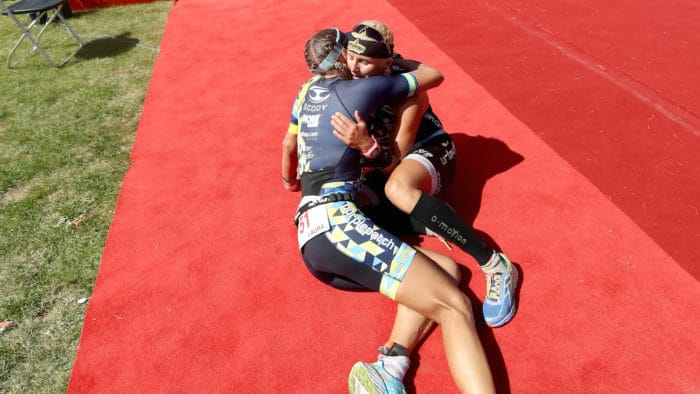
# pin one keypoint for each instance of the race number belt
(312, 218)
(322, 200)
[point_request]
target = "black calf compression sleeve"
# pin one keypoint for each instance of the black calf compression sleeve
(439, 217)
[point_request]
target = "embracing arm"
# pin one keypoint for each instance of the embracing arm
(354, 134)
(289, 162)
(377, 151)
(426, 76)
(408, 118)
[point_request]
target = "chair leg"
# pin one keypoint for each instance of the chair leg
(70, 29)
(26, 33)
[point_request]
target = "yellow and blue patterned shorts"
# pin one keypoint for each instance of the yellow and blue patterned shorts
(358, 238)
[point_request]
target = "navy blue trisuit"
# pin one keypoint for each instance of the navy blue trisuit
(339, 244)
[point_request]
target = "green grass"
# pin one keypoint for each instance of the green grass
(65, 138)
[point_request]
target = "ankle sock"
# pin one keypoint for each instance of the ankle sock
(495, 264)
(395, 360)
(440, 218)
(397, 366)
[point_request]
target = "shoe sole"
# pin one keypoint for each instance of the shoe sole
(509, 315)
(364, 379)
(361, 380)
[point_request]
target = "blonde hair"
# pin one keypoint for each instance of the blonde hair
(382, 29)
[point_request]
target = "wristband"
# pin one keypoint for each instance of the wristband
(374, 147)
(288, 179)
(292, 185)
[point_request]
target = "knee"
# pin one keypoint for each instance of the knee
(458, 307)
(395, 188)
(404, 190)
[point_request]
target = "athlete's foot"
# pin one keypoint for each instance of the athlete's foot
(373, 378)
(501, 282)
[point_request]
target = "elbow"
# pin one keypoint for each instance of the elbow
(437, 79)
(289, 145)
(431, 79)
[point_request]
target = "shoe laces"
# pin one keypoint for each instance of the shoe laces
(494, 285)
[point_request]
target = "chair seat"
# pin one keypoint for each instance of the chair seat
(31, 6)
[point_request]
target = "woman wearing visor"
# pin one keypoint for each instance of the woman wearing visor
(425, 163)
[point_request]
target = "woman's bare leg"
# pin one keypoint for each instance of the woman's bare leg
(430, 291)
(406, 184)
(409, 326)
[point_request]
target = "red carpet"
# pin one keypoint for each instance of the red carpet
(201, 288)
(611, 86)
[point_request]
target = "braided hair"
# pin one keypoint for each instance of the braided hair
(324, 53)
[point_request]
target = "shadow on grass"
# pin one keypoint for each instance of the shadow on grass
(107, 46)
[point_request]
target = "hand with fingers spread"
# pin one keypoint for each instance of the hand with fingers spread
(353, 134)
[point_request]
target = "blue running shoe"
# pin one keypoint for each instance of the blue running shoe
(372, 378)
(501, 282)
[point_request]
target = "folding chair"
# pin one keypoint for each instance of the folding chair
(37, 9)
